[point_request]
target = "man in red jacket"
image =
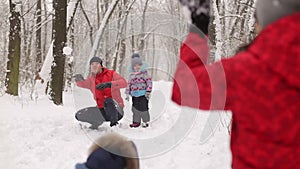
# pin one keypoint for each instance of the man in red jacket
(105, 85)
(261, 86)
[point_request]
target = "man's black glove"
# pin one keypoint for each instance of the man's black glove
(78, 77)
(103, 85)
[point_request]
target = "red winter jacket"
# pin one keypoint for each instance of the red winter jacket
(261, 86)
(113, 92)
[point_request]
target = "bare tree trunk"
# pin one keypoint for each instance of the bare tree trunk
(141, 40)
(4, 45)
(38, 42)
(154, 69)
(98, 13)
(71, 18)
(122, 54)
(238, 19)
(70, 63)
(120, 50)
(25, 49)
(215, 32)
(12, 76)
(45, 31)
(116, 52)
(100, 31)
(71, 40)
(89, 23)
(173, 44)
(59, 39)
(132, 33)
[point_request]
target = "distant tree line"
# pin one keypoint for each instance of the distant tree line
(111, 29)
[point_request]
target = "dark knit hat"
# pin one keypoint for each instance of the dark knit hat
(269, 11)
(102, 158)
(136, 59)
(200, 13)
(135, 55)
(197, 7)
(111, 151)
(96, 59)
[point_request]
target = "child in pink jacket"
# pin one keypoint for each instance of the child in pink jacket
(139, 87)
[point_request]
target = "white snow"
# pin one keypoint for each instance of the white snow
(46, 68)
(67, 50)
(38, 134)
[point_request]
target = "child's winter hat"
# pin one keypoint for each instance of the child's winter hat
(96, 59)
(136, 59)
(269, 11)
(135, 55)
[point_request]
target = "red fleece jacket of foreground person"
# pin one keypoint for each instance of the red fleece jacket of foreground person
(261, 86)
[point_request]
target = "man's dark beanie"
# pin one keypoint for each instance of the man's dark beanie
(96, 59)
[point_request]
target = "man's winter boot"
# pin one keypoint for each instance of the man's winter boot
(134, 124)
(113, 124)
(145, 125)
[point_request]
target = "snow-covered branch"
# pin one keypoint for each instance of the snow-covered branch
(102, 27)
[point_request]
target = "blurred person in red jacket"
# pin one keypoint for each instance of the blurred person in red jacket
(260, 85)
(105, 85)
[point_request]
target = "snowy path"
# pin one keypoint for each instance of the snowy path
(35, 134)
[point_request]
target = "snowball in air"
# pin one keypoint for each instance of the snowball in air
(67, 50)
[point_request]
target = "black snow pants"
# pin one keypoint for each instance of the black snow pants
(96, 116)
(140, 109)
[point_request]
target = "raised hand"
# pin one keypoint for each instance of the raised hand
(78, 77)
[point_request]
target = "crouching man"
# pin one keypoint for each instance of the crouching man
(105, 85)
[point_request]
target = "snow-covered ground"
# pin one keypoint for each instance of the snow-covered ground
(38, 134)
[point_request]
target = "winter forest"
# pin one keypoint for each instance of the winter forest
(44, 43)
(36, 32)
